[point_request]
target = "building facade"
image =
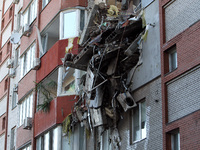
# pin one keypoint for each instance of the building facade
(180, 66)
(99, 75)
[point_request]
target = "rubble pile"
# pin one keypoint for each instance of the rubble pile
(111, 46)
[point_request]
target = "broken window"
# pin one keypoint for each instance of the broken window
(72, 22)
(139, 122)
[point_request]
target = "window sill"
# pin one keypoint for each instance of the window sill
(14, 107)
(138, 141)
(170, 72)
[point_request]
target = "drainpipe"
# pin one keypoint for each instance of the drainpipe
(33, 141)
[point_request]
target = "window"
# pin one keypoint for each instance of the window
(72, 21)
(12, 139)
(27, 147)
(3, 123)
(139, 122)
(17, 51)
(0, 57)
(19, 22)
(14, 98)
(27, 60)
(6, 34)
(2, 24)
(6, 84)
(30, 13)
(77, 139)
(68, 84)
(8, 47)
(173, 137)
(26, 108)
(10, 12)
(50, 140)
(44, 3)
(172, 59)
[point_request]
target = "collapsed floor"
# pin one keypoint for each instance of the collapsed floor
(111, 46)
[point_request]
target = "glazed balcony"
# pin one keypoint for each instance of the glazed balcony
(52, 58)
(60, 108)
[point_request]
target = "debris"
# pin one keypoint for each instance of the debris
(112, 47)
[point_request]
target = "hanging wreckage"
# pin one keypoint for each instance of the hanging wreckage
(111, 46)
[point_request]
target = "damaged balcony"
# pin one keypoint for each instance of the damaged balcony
(55, 99)
(52, 58)
(111, 51)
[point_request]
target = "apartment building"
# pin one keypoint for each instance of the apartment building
(99, 74)
(180, 66)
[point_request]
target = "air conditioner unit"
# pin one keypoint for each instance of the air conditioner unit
(15, 1)
(27, 123)
(9, 63)
(11, 73)
(126, 101)
(26, 30)
(36, 64)
(98, 117)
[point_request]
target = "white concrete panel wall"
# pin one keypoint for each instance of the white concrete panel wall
(3, 70)
(2, 141)
(6, 34)
(3, 105)
(1, 7)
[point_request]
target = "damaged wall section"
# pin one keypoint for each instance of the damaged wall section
(120, 52)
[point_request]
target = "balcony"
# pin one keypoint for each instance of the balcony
(60, 108)
(52, 58)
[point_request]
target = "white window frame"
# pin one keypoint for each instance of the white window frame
(30, 13)
(26, 108)
(51, 140)
(173, 59)
(27, 59)
(142, 132)
(14, 99)
(77, 28)
(27, 147)
(175, 135)
(12, 138)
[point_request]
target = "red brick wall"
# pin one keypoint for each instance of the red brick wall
(26, 83)
(188, 56)
(70, 3)
(23, 136)
(48, 13)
